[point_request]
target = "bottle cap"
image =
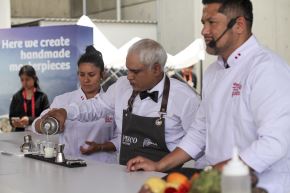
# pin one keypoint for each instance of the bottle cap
(235, 167)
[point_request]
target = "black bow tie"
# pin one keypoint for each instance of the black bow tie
(153, 95)
(226, 65)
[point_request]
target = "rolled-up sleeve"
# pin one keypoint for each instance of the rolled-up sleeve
(194, 141)
(93, 109)
(117, 142)
(72, 111)
(189, 111)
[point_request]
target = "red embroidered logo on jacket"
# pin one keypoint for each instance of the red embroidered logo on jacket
(108, 119)
(236, 89)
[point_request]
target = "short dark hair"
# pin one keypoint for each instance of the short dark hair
(239, 7)
(30, 72)
(92, 56)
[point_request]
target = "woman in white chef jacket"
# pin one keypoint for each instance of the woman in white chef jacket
(88, 140)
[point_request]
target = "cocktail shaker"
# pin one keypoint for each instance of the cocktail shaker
(50, 126)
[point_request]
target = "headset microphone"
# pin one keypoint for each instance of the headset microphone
(231, 24)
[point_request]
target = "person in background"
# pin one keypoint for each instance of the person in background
(88, 140)
(245, 102)
(185, 75)
(189, 76)
(28, 102)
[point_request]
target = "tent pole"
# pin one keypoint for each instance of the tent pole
(84, 7)
(118, 10)
(201, 76)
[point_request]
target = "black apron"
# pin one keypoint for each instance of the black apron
(144, 136)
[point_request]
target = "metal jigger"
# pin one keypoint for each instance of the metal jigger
(59, 155)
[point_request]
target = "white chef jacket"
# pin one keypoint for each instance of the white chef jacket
(248, 106)
(182, 106)
(76, 133)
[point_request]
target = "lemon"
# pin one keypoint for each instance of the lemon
(156, 184)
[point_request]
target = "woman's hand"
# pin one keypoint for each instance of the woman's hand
(20, 123)
(16, 123)
(92, 147)
(24, 121)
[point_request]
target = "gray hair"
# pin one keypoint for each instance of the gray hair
(150, 52)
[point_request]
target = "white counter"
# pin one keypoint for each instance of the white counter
(24, 175)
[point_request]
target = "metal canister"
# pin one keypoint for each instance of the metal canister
(27, 145)
(50, 126)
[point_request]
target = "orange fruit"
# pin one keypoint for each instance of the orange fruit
(177, 178)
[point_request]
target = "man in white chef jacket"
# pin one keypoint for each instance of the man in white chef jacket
(245, 102)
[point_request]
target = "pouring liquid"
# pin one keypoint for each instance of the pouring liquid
(47, 136)
(47, 126)
(48, 150)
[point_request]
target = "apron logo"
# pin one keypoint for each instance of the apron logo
(128, 140)
(147, 143)
(236, 89)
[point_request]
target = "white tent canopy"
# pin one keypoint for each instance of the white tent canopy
(170, 60)
(119, 60)
(191, 55)
(116, 58)
(101, 43)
